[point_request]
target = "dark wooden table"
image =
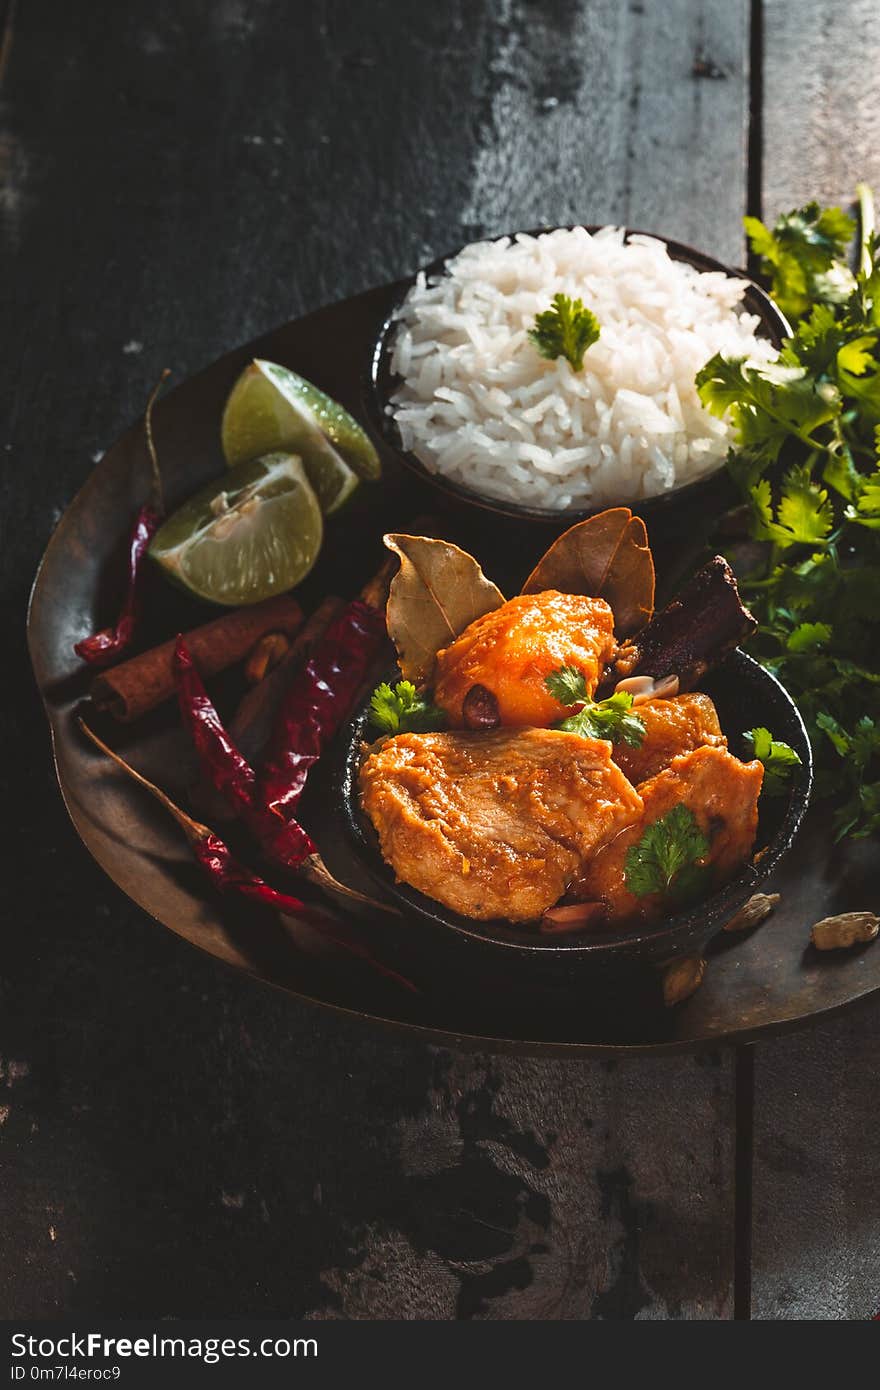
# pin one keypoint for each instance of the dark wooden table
(175, 1140)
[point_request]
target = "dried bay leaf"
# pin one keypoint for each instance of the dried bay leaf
(438, 591)
(607, 556)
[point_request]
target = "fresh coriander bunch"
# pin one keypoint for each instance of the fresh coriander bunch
(807, 465)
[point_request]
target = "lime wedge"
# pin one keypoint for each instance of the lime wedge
(270, 407)
(332, 481)
(254, 533)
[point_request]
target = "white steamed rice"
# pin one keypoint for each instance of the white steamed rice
(478, 403)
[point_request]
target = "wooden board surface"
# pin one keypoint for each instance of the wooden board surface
(816, 1247)
(175, 1141)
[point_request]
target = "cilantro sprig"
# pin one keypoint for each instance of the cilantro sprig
(611, 719)
(803, 256)
(807, 466)
(779, 759)
(401, 710)
(668, 858)
(568, 685)
(565, 330)
(859, 747)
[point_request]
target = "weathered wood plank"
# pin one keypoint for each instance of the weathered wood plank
(610, 112)
(176, 1141)
(816, 1243)
(817, 1147)
(549, 1190)
(821, 100)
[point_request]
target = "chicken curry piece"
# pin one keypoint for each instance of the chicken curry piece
(672, 727)
(512, 650)
(495, 824)
(720, 791)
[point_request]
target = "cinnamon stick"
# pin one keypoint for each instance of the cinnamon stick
(143, 682)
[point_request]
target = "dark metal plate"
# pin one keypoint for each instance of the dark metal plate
(769, 981)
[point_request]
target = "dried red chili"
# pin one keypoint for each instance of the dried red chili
(214, 855)
(229, 770)
(111, 642)
(104, 646)
(228, 875)
(319, 698)
(283, 842)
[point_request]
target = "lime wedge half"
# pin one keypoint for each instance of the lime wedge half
(254, 533)
(270, 407)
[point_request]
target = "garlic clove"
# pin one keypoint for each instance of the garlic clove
(643, 688)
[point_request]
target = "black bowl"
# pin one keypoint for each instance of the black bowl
(382, 383)
(746, 696)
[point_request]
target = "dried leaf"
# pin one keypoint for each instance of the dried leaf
(607, 556)
(438, 591)
(846, 929)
